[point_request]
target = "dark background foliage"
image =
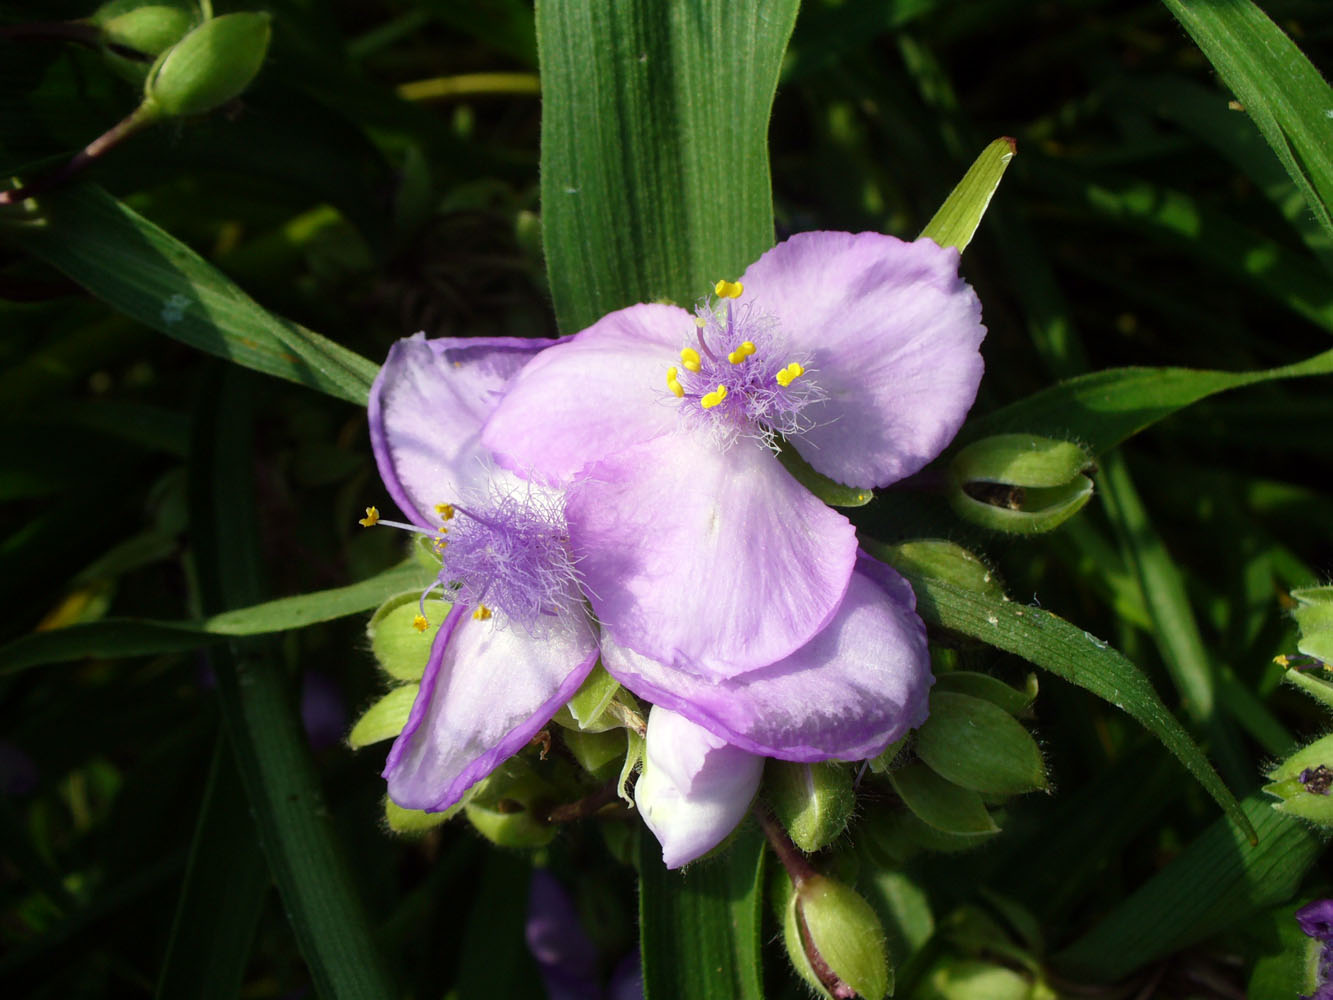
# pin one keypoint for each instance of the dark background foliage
(1142, 223)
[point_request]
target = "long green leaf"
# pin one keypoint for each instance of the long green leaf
(1280, 90)
(148, 274)
(273, 757)
(1218, 881)
(222, 898)
(699, 929)
(115, 637)
(1066, 651)
(1102, 409)
(655, 179)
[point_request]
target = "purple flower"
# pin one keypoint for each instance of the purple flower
(565, 955)
(698, 550)
(517, 642)
(1316, 921)
(695, 787)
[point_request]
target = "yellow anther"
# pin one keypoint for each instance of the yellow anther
(482, 613)
(713, 398)
(445, 510)
(420, 624)
(792, 372)
(1282, 660)
(741, 353)
(372, 518)
(689, 357)
(728, 289)
(673, 383)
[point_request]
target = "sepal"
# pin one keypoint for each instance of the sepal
(829, 929)
(1303, 783)
(812, 801)
(1019, 483)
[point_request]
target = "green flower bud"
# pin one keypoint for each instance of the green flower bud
(415, 822)
(210, 66)
(813, 801)
(385, 719)
(1303, 783)
(508, 808)
(147, 28)
(942, 804)
(933, 557)
(991, 689)
(1019, 483)
(978, 745)
(835, 941)
(1314, 617)
(401, 646)
(600, 754)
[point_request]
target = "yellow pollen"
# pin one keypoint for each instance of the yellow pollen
(372, 518)
(789, 374)
(420, 624)
(482, 613)
(728, 289)
(1282, 660)
(741, 353)
(713, 398)
(689, 357)
(445, 510)
(673, 383)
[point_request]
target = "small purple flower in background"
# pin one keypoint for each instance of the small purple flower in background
(18, 773)
(517, 642)
(698, 549)
(565, 955)
(323, 711)
(1316, 921)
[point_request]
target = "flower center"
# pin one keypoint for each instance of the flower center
(506, 553)
(736, 375)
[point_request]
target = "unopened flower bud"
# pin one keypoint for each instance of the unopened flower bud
(1314, 617)
(1303, 783)
(508, 808)
(835, 940)
(695, 787)
(146, 28)
(1019, 483)
(813, 801)
(210, 66)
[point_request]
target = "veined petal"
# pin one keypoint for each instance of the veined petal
(487, 690)
(855, 688)
(590, 396)
(427, 407)
(893, 334)
(694, 788)
(711, 561)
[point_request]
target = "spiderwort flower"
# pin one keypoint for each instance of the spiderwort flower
(1316, 921)
(517, 642)
(698, 550)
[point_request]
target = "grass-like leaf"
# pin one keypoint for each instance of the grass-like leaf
(1219, 879)
(655, 179)
(1067, 651)
(113, 637)
(1279, 88)
(699, 929)
(149, 275)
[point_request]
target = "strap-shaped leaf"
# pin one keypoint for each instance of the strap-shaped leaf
(113, 637)
(1279, 88)
(1219, 880)
(699, 928)
(149, 275)
(957, 219)
(655, 179)
(1068, 651)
